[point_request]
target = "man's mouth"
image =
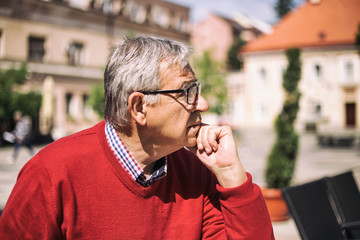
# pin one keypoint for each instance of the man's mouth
(199, 123)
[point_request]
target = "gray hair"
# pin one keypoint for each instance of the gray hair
(134, 65)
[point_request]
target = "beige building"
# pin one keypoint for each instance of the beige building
(325, 32)
(66, 45)
(218, 33)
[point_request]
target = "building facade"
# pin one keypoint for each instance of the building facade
(217, 34)
(325, 32)
(66, 44)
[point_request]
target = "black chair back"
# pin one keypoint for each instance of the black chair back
(346, 197)
(312, 211)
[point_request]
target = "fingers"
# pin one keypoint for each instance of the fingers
(208, 139)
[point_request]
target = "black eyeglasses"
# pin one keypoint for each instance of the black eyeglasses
(191, 92)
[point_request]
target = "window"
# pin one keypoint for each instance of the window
(85, 99)
(318, 72)
(137, 13)
(68, 98)
(36, 49)
(107, 7)
(349, 71)
(180, 24)
(127, 8)
(262, 75)
(160, 16)
(148, 13)
(75, 52)
(317, 110)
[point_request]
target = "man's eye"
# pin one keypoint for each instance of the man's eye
(182, 93)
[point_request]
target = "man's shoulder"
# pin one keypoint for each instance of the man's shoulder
(78, 142)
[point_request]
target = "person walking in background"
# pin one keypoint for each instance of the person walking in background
(151, 170)
(22, 134)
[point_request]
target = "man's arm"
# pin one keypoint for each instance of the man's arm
(242, 204)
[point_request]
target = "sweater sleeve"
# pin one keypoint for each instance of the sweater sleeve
(30, 212)
(245, 213)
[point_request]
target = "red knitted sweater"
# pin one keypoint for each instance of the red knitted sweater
(76, 189)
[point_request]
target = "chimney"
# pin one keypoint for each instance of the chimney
(314, 1)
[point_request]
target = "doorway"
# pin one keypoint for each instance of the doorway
(350, 114)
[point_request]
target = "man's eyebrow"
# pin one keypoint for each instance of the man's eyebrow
(188, 84)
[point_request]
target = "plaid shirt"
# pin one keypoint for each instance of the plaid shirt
(128, 162)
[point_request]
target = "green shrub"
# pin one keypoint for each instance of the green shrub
(97, 99)
(281, 161)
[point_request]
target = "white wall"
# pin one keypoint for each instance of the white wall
(330, 79)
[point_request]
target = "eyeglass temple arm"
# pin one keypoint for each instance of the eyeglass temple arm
(162, 91)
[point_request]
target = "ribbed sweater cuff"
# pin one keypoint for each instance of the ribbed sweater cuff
(242, 195)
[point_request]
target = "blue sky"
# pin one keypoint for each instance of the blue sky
(260, 9)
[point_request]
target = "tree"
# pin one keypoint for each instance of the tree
(97, 99)
(11, 100)
(357, 40)
(28, 103)
(282, 7)
(280, 165)
(8, 79)
(213, 82)
(233, 61)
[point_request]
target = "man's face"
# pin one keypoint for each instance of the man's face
(174, 122)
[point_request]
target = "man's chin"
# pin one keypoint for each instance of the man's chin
(190, 142)
(191, 136)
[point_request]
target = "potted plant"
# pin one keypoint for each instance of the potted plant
(281, 160)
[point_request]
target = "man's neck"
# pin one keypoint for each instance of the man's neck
(143, 149)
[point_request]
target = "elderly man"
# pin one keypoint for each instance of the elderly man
(151, 170)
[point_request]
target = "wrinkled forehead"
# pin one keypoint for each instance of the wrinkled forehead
(175, 75)
(179, 70)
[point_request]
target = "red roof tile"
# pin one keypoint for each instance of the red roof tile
(330, 22)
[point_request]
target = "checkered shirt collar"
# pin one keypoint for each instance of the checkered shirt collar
(128, 162)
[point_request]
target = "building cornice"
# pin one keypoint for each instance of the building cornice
(61, 14)
(57, 70)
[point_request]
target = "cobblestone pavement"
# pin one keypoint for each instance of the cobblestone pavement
(313, 162)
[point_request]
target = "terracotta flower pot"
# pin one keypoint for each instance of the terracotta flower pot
(276, 204)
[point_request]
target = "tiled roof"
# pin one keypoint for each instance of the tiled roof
(330, 22)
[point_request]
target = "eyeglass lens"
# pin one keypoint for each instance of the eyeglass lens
(192, 94)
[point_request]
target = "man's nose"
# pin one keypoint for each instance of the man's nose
(201, 104)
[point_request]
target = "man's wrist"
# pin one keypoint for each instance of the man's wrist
(232, 177)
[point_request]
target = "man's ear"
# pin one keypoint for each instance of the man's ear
(137, 107)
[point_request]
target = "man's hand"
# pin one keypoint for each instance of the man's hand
(216, 149)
